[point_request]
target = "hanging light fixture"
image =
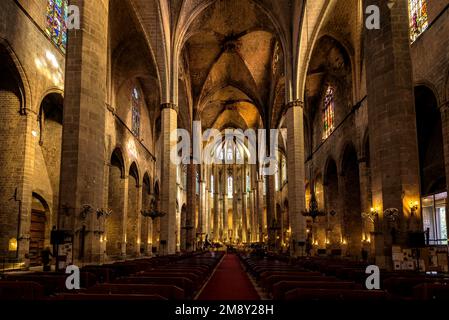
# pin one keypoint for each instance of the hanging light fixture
(314, 210)
(152, 212)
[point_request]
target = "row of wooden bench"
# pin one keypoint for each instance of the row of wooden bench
(404, 285)
(329, 279)
(164, 278)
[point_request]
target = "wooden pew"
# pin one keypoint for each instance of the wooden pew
(282, 287)
(431, 291)
(106, 297)
(183, 283)
(268, 283)
(169, 292)
(307, 294)
(21, 291)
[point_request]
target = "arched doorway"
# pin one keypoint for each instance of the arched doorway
(352, 220)
(12, 149)
(320, 225)
(38, 229)
(430, 142)
(432, 166)
(132, 217)
(156, 222)
(114, 223)
(47, 164)
(331, 199)
(145, 233)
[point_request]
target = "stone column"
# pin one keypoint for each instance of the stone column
(365, 200)
(240, 206)
(296, 174)
(225, 205)
(250, 218)
(244, 218)
(17, 153)
(271, 211)
(445, 126)
(216, 209)
(255, 225)
(202, 216)
(206, 221)
(260, 209)
(83, 158)
(191, 207)
(140, 221)
(167, 242)
(392, 124)
(234, 204)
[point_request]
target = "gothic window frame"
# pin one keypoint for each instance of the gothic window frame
(230, 187)
(56, 26)
(328, 120)
(197, 182)
(277, 184)
(418, 18)
(135, 111)
(229, 154)
(283, 169)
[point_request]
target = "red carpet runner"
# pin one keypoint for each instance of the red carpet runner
(229, 282)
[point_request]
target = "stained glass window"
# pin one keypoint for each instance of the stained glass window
(230, 187)
(284, 169)
(229, 154)
(57, 11)
(197, 182)
(418, 18)
(237, 154)
(248, 183)
(135, 112)
(328, 113)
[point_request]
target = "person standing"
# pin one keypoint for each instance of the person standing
(46, 254)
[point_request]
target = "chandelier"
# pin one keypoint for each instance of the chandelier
(152, 213)
(313, 211)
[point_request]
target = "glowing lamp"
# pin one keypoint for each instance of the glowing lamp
(12, 244)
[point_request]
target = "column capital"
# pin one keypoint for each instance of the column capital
(169, 105)
(295, 103)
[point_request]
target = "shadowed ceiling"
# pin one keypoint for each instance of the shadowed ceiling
(230, 49)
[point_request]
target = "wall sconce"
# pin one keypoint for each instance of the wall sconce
(391, 214)
(414, 205)
(12, 244)
(372, 215)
